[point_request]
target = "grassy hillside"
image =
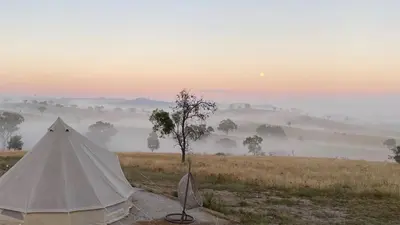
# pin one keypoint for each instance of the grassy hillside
(276, 190)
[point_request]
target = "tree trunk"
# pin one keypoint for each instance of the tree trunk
(183, 156)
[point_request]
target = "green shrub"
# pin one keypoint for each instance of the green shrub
(15, 142)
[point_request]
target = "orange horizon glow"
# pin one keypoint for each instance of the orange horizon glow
(135, 49)
(278, 81)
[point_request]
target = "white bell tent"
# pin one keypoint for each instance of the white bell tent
(66, 180)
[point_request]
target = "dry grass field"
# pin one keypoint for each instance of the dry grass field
(281, 172)
(275, 190)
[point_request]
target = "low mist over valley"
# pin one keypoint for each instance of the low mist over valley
(286, 131)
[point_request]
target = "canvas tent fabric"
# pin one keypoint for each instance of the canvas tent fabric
(65, 179)
(193, 198)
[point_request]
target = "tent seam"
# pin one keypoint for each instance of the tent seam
(107, 181)
(95, 156)
(38, 180)
(85, 139)
(65, 181)
(84, 172)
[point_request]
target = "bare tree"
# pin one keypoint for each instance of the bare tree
(188, 110)
(9, 122)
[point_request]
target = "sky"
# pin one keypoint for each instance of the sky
(218, 47)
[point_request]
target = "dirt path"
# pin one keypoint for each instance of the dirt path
(150, 208)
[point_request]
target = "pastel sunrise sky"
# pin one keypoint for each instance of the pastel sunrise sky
(157, 47)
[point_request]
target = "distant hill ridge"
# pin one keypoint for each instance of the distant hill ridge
(124, 101)
(140, 101)
(145, 101)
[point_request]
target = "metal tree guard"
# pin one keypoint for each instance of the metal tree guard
(183, 217)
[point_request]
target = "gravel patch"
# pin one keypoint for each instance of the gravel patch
(152, 207)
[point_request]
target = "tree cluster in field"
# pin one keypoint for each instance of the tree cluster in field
(15, 142)
(42, 109)
(271, 130)
(253, 143)
(392, 146)
(227, 126)
(9, 125)
(226, 143)
(54, 107)
(43, 106)
(153, 143)
(187, 123)
(101, 132)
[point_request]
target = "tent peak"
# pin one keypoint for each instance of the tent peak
(58, 125)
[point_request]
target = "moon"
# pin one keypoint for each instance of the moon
(261, 74)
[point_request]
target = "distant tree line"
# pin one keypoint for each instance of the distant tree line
(187, 123)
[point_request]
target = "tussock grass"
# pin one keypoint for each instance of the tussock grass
(274, 190)
(275, 172)
(281, 172)
(11, 153)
